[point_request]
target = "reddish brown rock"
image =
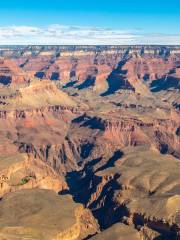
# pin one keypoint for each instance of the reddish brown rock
(100, 123)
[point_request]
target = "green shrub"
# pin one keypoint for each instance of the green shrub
(25, 180)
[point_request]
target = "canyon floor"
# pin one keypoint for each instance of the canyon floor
(89, 142)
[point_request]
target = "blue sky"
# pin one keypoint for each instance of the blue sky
(90, 22)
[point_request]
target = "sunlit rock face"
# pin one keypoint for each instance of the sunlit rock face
(11, 73)
(42, 214)
(99, 123)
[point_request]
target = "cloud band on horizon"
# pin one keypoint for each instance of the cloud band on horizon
(77, 35)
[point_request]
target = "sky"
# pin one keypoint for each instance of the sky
(90, 22)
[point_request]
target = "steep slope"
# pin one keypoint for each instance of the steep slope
(21, 171)
(42, 214)
(135, 192)
(38, 94)
(10, 73)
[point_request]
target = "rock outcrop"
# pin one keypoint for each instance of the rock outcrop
(42, 214)
(118, 232)
(11, 73)
(138, 194)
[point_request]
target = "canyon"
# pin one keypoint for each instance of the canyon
(89, 142)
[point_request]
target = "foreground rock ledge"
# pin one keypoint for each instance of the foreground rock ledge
(118, 232)
(42, 214)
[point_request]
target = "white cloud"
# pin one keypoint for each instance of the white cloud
(161, 38)
(19, 31)
(60, 34)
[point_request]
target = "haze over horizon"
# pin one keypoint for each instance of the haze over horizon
(96, 22)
